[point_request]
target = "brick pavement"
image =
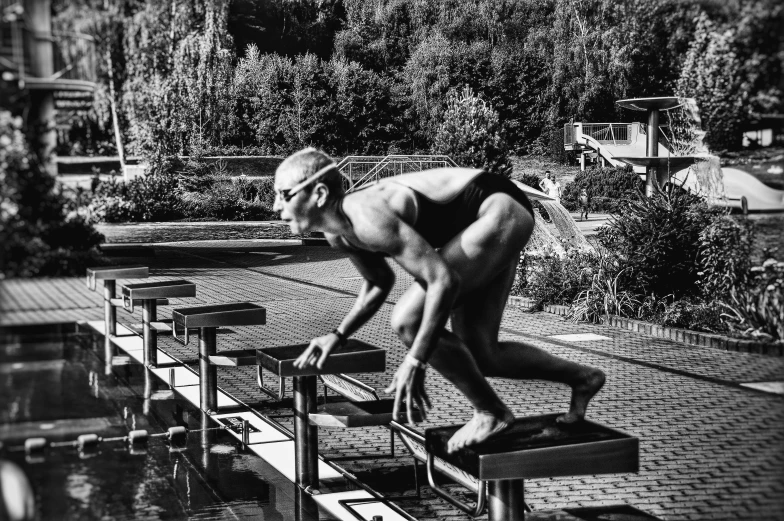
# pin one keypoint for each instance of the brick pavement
(709, 448)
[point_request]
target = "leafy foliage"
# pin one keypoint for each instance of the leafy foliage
(471, 135)
(609, 189)
(40, 237)
(758, 309)
(555, 280)
(725, 256)
(657, 239)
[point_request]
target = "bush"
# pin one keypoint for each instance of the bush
(553, 279)
(603, 295)
(153, 197)
(234, 199)
(757, 310)
(608, 189)
(40, 236)
(697, 316)
(657, 239)
(531, 180)
(725, 256)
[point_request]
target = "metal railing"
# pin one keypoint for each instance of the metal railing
(609, 133)
(361, 170)
(664, 139)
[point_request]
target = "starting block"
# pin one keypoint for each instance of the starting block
(207, 319)
(533, 447)
(354, 357)
(150, 294)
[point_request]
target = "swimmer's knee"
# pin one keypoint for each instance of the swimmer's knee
(404, 326)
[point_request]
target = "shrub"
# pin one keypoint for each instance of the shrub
(531, 180)
(757, 309)
(698, 316)
(603, 295)
(153, 197)
(608, 188)
(725, 256)
(657, 239)
(40, 236)
(555, 280)
(236, 199)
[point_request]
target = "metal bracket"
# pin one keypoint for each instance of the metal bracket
(127, 303)
(481, 499)
(281, 392)
(184, 340)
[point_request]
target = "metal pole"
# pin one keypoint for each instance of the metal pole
(305, 435)
(208, 373)
(110, 324)
(109, 311)
(652, 149)
(506, 500)
(150, 334)
(149, 379)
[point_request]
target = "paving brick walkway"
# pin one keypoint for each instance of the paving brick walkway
(710, 449)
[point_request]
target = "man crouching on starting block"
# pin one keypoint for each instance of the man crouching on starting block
(480, 222)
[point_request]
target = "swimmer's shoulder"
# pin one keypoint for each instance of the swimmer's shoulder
(438, 184)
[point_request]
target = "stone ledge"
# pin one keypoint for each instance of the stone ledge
(685, 336)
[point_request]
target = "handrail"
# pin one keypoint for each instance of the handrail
(379, 164)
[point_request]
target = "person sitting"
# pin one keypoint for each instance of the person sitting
(459, 232)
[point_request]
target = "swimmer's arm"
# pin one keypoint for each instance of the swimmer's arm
(379, 280)
(441, 283)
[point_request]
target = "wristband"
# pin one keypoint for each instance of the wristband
(341, 337)
(415, 362)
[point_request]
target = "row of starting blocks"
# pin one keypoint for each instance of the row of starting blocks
(535, 447)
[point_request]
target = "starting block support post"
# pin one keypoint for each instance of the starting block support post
(208, 373)
(305, 434)
(506, 499)
(149, 333)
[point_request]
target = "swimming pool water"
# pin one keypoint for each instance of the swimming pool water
(56, 386)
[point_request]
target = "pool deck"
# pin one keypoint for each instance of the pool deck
(711, 446)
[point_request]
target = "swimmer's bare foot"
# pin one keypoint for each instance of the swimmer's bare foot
(479, 428)
(581, 395)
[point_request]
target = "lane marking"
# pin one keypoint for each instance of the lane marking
(766, 387)
(580, 337)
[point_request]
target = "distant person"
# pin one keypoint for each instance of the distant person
(584, 201)
(459, 232)
(550, 186)
(556, 191)
(546, 184)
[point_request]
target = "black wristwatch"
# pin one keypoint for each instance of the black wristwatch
(342, 339)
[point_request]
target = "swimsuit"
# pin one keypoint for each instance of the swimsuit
(438, 223)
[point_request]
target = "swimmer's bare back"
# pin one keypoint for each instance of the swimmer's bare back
(373, 204)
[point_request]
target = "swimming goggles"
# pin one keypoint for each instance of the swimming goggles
(289, 193)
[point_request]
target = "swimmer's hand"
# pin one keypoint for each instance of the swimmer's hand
(409, 381)
(317, 352)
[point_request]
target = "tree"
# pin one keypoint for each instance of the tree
(471, 134)
(712, 74)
